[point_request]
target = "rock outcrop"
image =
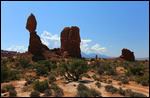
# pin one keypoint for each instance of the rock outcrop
(96, 57)
(127, 55)
(35, 45)
(70, 42)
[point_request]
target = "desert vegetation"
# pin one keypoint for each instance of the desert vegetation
(43, 78)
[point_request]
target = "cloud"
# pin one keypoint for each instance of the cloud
(17, 48)
(52, 41)
(94, 49)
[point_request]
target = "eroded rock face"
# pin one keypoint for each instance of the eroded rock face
(70, 41)
(127, 55)
(35, 45)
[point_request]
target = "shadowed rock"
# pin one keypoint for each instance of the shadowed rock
(35, 45)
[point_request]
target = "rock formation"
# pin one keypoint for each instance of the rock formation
(127, 55)
(96, 57)
(70, 41)
(35, 45)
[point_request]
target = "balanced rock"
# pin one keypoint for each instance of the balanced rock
(35, 45)
(127, 55)
(70, 41)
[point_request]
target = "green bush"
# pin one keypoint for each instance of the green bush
(136, 94)
(110, 88)
(109, 81)
(45, 63)
(54, 66)
(10, 58)
(59, 92)
(3, 90)
(86, 75)
(111, 72)
(29, 81)
(95, 93)
(98, 84)
(22, 62)
(14, 75)
(82, 93)
(47, 92)
(73, 70)
(125, 81)
(54, 86)
(4, 72)
(9, 87)
(81, 86)
(121, 91)
(12, 93)
(40, 86)
(35, 94)
(144, 80)
(51, 78)
(41, 69)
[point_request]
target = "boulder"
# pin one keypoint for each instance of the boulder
(70, 41)
(127, 55)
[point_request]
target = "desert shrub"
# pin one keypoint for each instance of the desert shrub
(3, 90)
(125, 81)
(62, 60)
(110, 88)
(98, 84)
(59, 92)
(94, 93)
(73, 70)
(117, 78)
(12, 93)
(81, 86)
(109, 81)
(144, 80)
(100, 71)
(4, 72)
(86, 75)
(41, 69)
(121, 91)
(45, 63)
(82, 93)
(136, 69)
(92, 59)
(144, 83)
(54, 86)
(54, 66)
(35, 94)
(111, 72)
(14, 75)
(10, 58)
(40, 86)
(128, 92)
(131, 78)
(51, 78)
(47, 92)
(22, 62)
(54, 61)
(136, 94)
(119, 83)
(27, 88)
(95, 78)
(9, 87)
